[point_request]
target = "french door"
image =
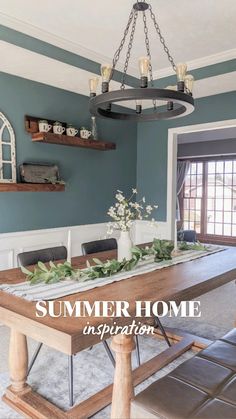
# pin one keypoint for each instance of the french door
(209, 199)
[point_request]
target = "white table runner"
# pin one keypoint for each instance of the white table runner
(43, 291)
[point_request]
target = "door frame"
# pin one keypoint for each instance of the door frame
(172, 163)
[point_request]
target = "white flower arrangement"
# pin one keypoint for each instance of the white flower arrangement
(127, 210)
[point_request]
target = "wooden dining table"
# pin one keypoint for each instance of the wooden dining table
(180, 282)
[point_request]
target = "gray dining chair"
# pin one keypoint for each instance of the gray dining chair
(47, 255)
(99, 246)
(187, 236)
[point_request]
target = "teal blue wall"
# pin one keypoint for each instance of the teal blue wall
(152, 145)
(91, 176)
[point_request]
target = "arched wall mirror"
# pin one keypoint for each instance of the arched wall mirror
(7, 151)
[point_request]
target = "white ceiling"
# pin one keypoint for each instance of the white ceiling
(193, 29)
(198, 32)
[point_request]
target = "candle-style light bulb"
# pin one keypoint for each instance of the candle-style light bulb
(138, 106)
(189, 82)
(181, 70)
(106, 70)
(93, 84)
(144, 65)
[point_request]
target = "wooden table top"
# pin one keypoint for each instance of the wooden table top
(184, 281)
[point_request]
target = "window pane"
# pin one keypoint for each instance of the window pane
(199, 168)
(211, 180)
(227, 229)
(211, 192)
(198, 204)
(199, 191)
(186, 215)
(219, 229)
(7, 170)
(193, 169)
(228, 179)
(211, 167)
(218, 192)
(227, 217)
(228, 167)
(6, 152)
(193, 192)
(219, 204)
(227, 204)
(234, 217)
(234, 230)
(186, 225)
(210, 216)
(219, 217)
(210, 228)
(228, 192)
(220, 167)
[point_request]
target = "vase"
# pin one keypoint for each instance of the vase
(124, 246)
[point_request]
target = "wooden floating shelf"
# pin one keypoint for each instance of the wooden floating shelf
(32, 127)
(51, 138)
(31, 187)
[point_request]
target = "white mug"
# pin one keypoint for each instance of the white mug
(44, 126)
(84, 133)
(71, 131)
(58, 129)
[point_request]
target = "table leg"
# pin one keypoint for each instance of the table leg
(18, 360)
(123, 385)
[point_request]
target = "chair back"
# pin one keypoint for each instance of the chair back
(42, 255)
(187, 236)
(98, 246)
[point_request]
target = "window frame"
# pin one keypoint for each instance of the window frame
(203, 236)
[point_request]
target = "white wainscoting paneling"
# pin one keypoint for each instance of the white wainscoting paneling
(145, 231)
(11, 244)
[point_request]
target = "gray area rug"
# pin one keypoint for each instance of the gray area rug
(92, 369)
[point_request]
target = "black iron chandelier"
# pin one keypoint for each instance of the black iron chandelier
(177, 100)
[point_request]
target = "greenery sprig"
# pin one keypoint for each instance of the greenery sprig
(192, 246)
(54, 273)
(160, 250)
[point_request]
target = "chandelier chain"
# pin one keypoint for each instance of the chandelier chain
(148, 53)
(130, 44)
(162, 40)
(119, 49)
(148, 47)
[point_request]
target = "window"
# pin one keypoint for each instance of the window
(7, 151)
(209, 198)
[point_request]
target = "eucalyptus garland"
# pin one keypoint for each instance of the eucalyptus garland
(192, 246)
(160, 250)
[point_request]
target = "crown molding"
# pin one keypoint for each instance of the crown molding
(67, 45)
(199, 63)
(60, 42)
